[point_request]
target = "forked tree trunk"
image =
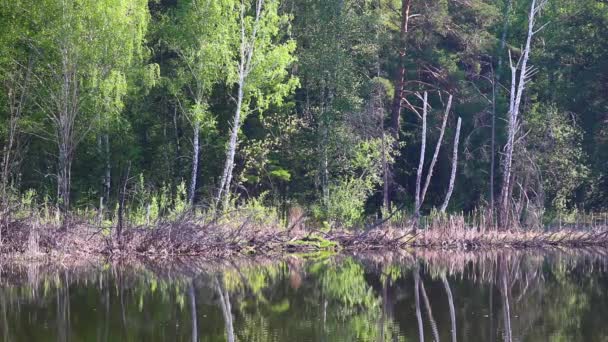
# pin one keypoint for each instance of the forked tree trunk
(517, 91)
(436, 153)
(246, 53)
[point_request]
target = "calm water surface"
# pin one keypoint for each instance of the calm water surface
(415, 297)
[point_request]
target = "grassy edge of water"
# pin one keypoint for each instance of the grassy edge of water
(189, 236)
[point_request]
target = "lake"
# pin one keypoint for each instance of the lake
(412, 296)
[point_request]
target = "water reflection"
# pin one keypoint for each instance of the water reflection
(413, 297)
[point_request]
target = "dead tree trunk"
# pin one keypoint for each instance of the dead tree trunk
(444, 206)
(421, 163)
(436, 153)
(517, 91)
(246, 53)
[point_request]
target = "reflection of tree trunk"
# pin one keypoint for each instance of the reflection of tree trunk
(448, 291)
(122, 304)
(5, 334)
(63, 310)
(226, 310)
(106, 330)
(492, 333)
(427, 304)
(508, 337)
(192, 296)
(417, 298)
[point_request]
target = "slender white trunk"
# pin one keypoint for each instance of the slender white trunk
(246, 53)
(195, 153)
(444, 206)
(517, 90)
(436, 153)
(421, 163)
(223, 192)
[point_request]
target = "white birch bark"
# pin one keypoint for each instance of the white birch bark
(195, 154)
(436, 153)
(246, 52)
(421, 163)
(517, 91)
(444, 206)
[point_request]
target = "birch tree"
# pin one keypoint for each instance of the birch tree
(199, 33)
(73, 46)
(261, 76)
(518, 85)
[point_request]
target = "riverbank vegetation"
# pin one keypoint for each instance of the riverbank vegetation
(166, 126)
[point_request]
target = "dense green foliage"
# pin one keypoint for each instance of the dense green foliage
(96, 94)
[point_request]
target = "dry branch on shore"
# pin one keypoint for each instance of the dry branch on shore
(191, 237)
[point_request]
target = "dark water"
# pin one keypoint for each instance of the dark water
(430, 296)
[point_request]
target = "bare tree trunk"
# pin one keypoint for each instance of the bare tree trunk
(444, 206)
(421, 163)
(514, 108)
(246, 53)
(436, 153)
(400, 76)
(448, 291)
(195, 154)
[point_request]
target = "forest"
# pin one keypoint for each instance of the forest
(345, 111)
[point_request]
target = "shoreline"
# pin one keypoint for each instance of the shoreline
(195, 239)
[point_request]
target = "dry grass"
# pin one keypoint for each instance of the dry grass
(238, 234)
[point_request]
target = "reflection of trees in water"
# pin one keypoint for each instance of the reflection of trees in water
(341, 298)
(226, 310)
